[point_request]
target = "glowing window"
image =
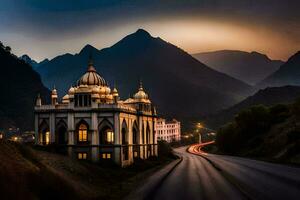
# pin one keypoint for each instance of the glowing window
(82, 133)
(106, 155)
(109, 137)
(82, 156)
(47, 137)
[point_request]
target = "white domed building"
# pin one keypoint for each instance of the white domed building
(91, 122)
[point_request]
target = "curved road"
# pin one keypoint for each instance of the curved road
(226, 177)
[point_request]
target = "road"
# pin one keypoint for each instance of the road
(226, 177)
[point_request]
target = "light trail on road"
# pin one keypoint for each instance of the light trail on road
(207, 176)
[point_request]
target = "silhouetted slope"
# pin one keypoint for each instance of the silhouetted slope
(248, 67)
(177, 83)
(268, 97)
(19, 85)
(287, 74)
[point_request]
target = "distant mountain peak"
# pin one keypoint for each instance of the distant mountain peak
(88, 49)
(143, 32)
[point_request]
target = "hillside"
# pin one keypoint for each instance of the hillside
(268, 97)
(178, 84)
(268, 133)
(248, 67)
(28, 172)
(287, 74)
(32, 62)
(19, 85)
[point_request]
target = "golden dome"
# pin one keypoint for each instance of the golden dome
(115, 92)
(91, 77)
(54, 91)
(72, 90)
(107, 90)
(65, 99)
(141, 94)
(102, 90)
(96, 90)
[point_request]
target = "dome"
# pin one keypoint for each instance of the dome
(91, 77)
(96, 90)
(54, 91)
(71, 90)
(141, 94)
(107, 90)
(115, 92)
(65, 99)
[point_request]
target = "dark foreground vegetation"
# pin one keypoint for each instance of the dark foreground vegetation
(27, 173)
(269, 133)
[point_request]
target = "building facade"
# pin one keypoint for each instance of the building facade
(91, 122)
(169, 131)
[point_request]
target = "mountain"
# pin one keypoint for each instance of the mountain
(19, 85)
(32, 62)
(178, 84)
(269, 96)
(287, 74)
(248, 67)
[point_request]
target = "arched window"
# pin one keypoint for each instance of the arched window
(44, 134)
(109, 136)
(82, 133)
(147, 134)
(135, 134)
(106, 136)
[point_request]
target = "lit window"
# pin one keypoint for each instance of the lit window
(135, 154)
(109, 137)
(82, 156)
(106, 155)
(47, 137)
(82, 133)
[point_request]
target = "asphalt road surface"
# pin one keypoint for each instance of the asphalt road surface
(226, 177)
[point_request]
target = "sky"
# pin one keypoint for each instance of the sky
(47, 28)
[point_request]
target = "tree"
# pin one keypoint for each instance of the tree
(8, 49)
(1, 45)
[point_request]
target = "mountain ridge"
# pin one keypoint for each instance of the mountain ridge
(250, 67)
(173, 78)
(287, 74)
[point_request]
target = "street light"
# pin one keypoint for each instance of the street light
(199, 126)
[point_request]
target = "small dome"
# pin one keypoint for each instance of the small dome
(107, 90)
(54, 91)
(115, 92)
(66, 97)
(141, 94)
(102, 90)
(71, 90)
(91, 77)
(96, 90)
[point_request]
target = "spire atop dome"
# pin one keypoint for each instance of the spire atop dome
(91, 67)
(141, 85)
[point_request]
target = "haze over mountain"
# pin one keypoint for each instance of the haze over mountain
(19, 85)
(287, 74)
(248, 67)
(178, 84)
(269, 96)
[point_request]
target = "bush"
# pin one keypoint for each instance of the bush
(227, 138)
(253, 121)
(164, 150)
(279, 113)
